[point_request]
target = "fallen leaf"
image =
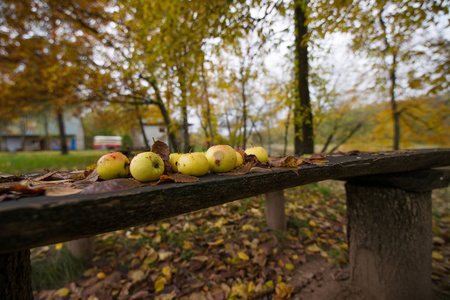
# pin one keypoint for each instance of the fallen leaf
(165, 255)
(169, 296)
(243, 256)
(242, 170)
(283, 290)
(181, 178)
(62, 292)
(313, 248)
(45, 176)
(160, 284)
(163, 150)
(90, 178)
(139, 295)
(62, 190)
(112, 185)
(216, 243)
(437, 256)
(136, 275)
(285, 162)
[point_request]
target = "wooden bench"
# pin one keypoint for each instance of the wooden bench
(388, 208)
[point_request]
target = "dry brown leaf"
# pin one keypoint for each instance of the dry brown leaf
(90, 178)
(26, 190)
(163, 150)
(63, 175)
(178, 177)
(111, 185)
(348, 153)
(163, 178)
(285, 162)
(244, 169)
(45, 176)
(61, 190)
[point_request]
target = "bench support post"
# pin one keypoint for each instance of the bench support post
(390, 233)
(390, 241)
(275, 213)
(15, 275)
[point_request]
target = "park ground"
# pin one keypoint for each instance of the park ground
(227, 252)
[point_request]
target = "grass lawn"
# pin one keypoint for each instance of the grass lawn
(38, 161)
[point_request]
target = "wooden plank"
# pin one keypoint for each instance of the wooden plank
(37, 221)
(413, 181)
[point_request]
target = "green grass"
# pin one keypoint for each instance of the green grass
(26, 162)
(55, 269)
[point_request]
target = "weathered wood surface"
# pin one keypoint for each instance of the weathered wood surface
(15, 275)
(390, 240)
(37, 221)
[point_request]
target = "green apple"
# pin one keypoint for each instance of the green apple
(194, 164)
(259, 152)
(221, 158)
(173, 159)
(113, 165)
(147, 166)
(239, 157)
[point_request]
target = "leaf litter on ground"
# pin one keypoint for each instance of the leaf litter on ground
(227, 252)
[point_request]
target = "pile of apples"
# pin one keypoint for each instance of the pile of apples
(149, 166)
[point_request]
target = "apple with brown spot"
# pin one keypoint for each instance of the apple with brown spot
(221, 158)
(113, 165)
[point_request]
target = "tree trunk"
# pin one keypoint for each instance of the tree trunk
(46, 133)
(62, 131)
(275, 213)
(303, 118)
(390, 241)
(2, 147)
(160, 103)
(184, 114)
(15, 275)
(208, 107)
(286, 132)
(141, 126)
(23, 132)
(395, 112)
(244, 106)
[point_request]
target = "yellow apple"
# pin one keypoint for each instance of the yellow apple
(147, 166)
(259, 152)
(221, 158)
(113, 165)
(194, 164)
(173, 159)
(239, 157)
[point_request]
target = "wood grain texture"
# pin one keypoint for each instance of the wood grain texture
(15, 276)
(390, 242)
(36, 221)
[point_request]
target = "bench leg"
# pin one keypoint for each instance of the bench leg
(275, 213)
(15, 276)
(390, 241)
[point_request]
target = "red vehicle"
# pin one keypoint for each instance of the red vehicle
(107, 142)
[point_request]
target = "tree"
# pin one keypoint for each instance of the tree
(396, 34)
(44, 41)
(303, 118)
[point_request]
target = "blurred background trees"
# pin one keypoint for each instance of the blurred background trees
(294, 76)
